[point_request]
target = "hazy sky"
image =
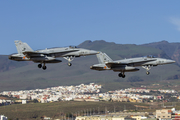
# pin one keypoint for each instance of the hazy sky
(57, 23)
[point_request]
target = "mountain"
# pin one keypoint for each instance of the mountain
(26, 75)
(121, 51)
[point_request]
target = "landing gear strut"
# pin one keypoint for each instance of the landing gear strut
(122, 75)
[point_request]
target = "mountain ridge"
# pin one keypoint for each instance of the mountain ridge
(171, 49)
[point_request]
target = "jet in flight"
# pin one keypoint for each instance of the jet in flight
(128, 65)
(25, 53)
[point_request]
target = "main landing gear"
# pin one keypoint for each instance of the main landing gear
(43, 67)
(147, 69)
(122, 75)
(69, 59)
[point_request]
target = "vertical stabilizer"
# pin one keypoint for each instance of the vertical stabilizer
(21, 47)
(103, 58)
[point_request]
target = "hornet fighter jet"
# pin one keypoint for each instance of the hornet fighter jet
(128, 65)
(25, 53)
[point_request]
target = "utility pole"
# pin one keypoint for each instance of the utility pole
(106, 110)
(68, 116)
(72, 116)
(114, 109)
(90, 111)
(98, 111)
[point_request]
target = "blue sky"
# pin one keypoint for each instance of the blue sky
(57, 23)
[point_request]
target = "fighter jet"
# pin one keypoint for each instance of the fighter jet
(25, 53)
(128, 65)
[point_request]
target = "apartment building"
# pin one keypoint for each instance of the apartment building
(163, 114)
(101, 117)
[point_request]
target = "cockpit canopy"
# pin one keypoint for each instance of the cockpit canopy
(73, 47)
(150, 56)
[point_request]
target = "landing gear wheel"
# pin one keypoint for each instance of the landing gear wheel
(39, 66)
(120, 74)
(44, 67)
(69, 64)
(147, 72)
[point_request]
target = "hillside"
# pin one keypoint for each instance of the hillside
(26, 75)
(6, 64)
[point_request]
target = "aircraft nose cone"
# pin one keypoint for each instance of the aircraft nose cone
(9, 57)
(93, 52)
(170, 61)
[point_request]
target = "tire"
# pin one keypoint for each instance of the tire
(44, 67)
(69, 64)
(120, 74)
(147, 72)
(39, 66)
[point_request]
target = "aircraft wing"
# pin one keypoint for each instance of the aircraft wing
(33, 54)
(30, 54)
(112, 64)
(128, 62)
(63, 52)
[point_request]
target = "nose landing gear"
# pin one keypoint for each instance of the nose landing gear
(147, 69)
(69, 59)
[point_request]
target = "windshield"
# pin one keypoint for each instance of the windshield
(150, 56)
(73, 47)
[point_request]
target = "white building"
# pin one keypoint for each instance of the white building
(24, 101)
(2, 117)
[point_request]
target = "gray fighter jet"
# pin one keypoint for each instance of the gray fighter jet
(128, 65)
(25, 53)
